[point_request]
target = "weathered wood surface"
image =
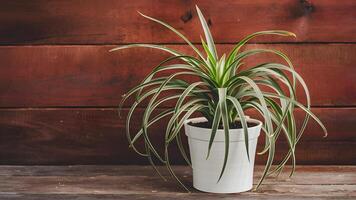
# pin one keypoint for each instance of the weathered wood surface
(52, 76)
(112, 21)
(96, 136)
(140, 182)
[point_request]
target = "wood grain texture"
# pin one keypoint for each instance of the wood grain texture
(154, 195)
(54, 58)
(51, 76)
(306, 175)
(96, 136)
(136, 182)
(110, 21)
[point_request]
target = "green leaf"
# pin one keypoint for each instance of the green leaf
(259, 95)
(225, 120)
(238, 46)
(242, 118)
(175, 31)
(185, 93)
(215, 126)
(211, 60)
(170, 170)
(207, 33)
(182, 150)
(149, 110)
(177, 113)
(151, 46)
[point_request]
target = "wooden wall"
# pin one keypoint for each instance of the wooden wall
(59, 85)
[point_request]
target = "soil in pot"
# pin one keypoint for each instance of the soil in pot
(236, 125)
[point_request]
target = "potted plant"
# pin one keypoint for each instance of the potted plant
(223, 140)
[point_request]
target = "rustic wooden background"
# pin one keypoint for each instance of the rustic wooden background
(59, 85)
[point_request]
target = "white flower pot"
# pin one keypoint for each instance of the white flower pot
(238, 175)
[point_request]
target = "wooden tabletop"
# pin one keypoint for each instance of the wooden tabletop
(140, 182)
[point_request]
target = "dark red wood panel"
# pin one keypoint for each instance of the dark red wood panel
(117, 21)
(54, 58)
(96, 136)
(42, 76)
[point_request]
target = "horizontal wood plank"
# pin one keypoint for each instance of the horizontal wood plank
(96, 136)
(51, 76)
(156, 196)
(132, 182)
(304, 175)
(112, 21)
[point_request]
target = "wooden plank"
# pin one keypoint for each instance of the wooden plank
(97, 22)
(304, 175)
(91, 76)
(96, 136)
(143, 184)
(162, 197)
(140, 181)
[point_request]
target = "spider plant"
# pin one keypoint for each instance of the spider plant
(223, 93)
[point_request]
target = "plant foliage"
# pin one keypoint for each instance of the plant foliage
(224, 92)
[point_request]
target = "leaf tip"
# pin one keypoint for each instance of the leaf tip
(326, 134)
(221, 174)
(143, 15)
(140, 12)
(208, 154)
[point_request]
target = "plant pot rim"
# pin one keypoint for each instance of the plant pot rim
(236, 135)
